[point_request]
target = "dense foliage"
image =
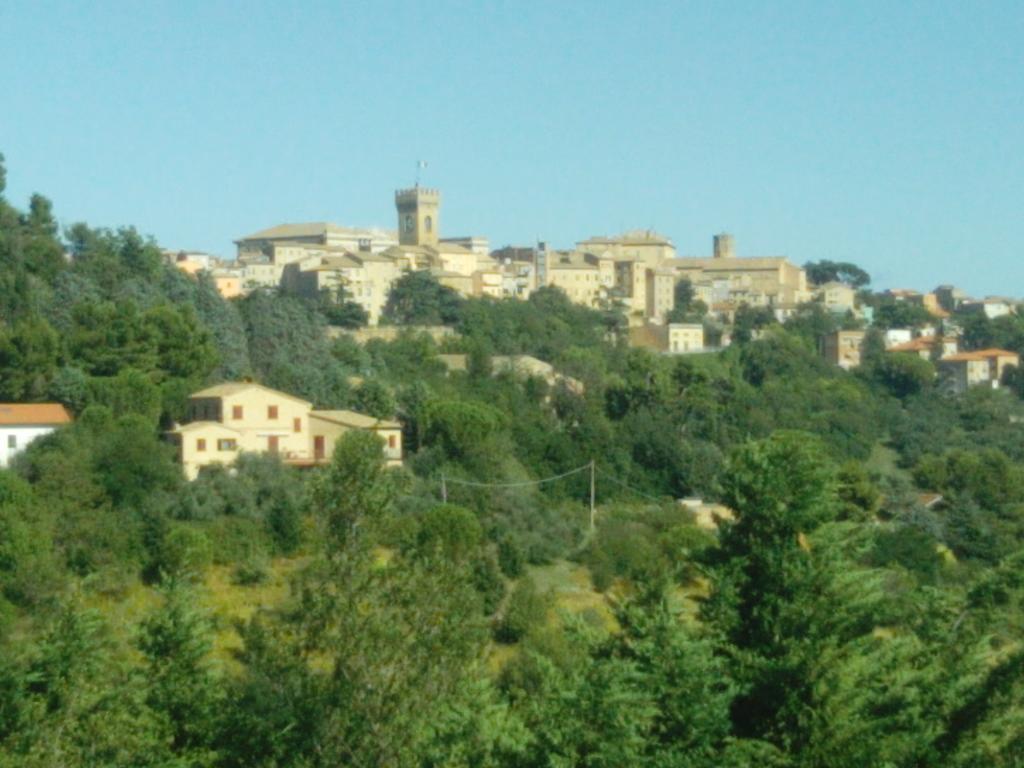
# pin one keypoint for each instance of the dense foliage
(405, 617)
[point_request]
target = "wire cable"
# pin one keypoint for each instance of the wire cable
(454, 481)
(628, 487)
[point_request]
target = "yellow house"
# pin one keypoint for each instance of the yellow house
(327, 426)
(202, 443)
(244, 416)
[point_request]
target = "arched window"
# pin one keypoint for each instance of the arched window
(428, 224)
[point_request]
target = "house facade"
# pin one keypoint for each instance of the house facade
(843, 348)
(984, 367)
(21, 423)
(227, 419)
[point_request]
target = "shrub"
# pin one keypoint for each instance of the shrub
(526, 610)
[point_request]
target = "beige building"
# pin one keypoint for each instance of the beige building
(685, 337)
(836, 297)
(757, 281)
(327, 426)
(643, 245)
(671, 338)
(984, 367)
(226, 419)
(228, 283)
(928, 347)
(661, 293)
(190, 262)
(584, 278)
(844, 348)
(259, 246)
(365, 278)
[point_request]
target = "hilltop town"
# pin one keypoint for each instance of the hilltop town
(671, 303)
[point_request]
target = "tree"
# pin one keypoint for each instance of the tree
(354, 488)
(28, 360)
(781, 490)
(461, 426)
(824, 271)
(373, 398)
(890, 313)
(340, 310)
(749, 319)
(416, 298)
(340, 681)
(526, 612)
(687, 308)
(181, 687)
(902, 373)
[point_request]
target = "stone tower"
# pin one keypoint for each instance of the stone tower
(418, 212)
(724, 246)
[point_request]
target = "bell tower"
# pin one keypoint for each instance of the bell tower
(418, 213)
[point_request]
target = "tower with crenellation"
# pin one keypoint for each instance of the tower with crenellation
(418, 214)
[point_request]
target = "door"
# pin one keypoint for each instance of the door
(272, 443)
(318, 447)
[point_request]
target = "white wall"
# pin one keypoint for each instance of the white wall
(23, 435)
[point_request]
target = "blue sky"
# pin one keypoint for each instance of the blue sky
(891, 135)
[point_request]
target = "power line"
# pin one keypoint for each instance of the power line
(449, 480)
(630, 488)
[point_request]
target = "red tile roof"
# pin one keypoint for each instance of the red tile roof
(979, 354)
(33, 413)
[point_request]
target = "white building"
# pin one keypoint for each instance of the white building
(21, 423)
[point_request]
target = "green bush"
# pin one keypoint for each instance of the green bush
(526, 610)
(185, 553)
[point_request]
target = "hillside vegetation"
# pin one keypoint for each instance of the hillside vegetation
(347, 615)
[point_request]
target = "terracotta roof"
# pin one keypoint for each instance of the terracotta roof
(978, 354)
(353, 419)
(33, 413)
(920, 344)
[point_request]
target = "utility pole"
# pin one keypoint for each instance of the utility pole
(593, 468)
(444, 490)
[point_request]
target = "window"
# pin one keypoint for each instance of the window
(392, 441)
(428, 224)
(12, 441)
(236, 412)
(226, 444)
(271, 411)
(201, 444)
(297, 424)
